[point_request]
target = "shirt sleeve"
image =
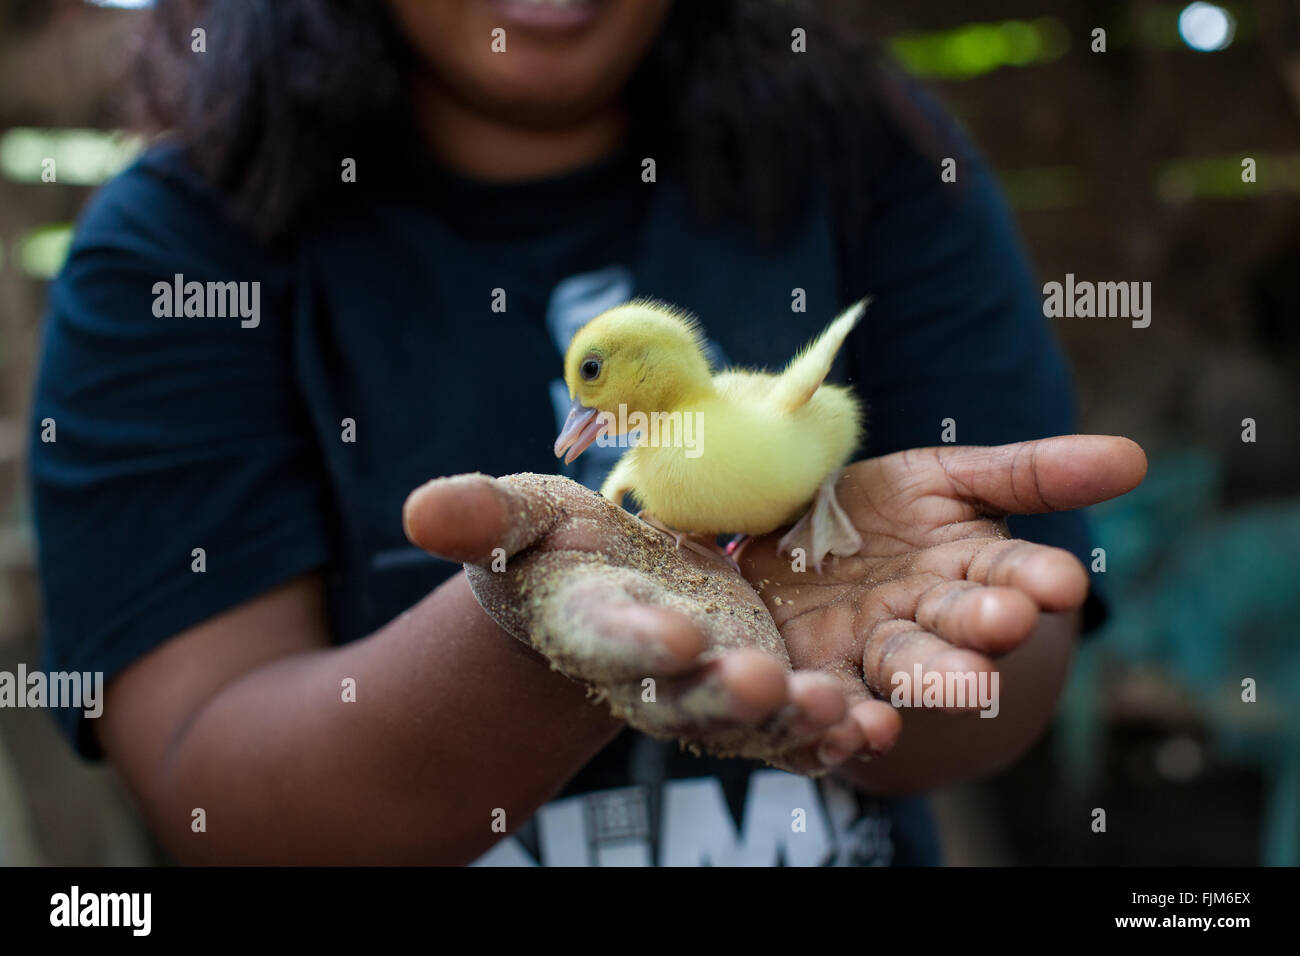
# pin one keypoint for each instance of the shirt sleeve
(956, 327)
(156, 436)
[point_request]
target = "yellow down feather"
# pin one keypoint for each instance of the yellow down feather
(766, 442)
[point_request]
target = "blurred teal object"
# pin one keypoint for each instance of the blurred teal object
(1212, 599)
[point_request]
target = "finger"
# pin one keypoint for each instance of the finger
(870, 728)
(742, 687)
(819, 703)
(966, 614)
(467, 517)
(1053, 577)
(605, 625)
(750, 689)
(1051, 474)
(755, 682)
(897, 651)
(880, 725)
(840, 742)
(639, 640)
(825, 751)
(816, 709)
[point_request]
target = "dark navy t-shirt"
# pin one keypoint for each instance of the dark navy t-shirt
(416, 328)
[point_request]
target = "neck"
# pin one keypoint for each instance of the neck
(693, 385)
(481, 146)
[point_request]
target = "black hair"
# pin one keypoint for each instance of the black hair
(286, 87)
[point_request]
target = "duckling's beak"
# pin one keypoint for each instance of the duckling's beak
(583, 426)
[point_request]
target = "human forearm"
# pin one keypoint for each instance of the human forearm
(452, 720)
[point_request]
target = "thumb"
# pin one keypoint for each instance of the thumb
(466, 517)
(1050, 474)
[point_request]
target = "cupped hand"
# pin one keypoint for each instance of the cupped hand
(939, 582)
(678, 644)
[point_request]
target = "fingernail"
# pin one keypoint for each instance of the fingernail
(831, 755)
(872, 751)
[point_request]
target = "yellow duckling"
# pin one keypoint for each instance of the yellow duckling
(734, 452)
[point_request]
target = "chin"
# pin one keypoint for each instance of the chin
(534, 95)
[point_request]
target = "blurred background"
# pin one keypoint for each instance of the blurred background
(1122, 165)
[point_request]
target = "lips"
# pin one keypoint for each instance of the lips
(583, 426)
(543, 14)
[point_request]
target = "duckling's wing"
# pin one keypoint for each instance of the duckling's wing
(620, 480)
(805, 374)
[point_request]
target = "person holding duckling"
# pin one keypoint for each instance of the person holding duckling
(332, 686)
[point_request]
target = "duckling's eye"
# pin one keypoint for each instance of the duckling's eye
(590, 369)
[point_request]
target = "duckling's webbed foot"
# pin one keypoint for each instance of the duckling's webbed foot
(736, 547)
(685, 540)
(824, 529)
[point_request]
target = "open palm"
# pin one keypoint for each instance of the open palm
(939, 582)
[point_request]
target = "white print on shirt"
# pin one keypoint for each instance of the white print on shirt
(611, 827)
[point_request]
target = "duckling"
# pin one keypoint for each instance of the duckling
(733, 452)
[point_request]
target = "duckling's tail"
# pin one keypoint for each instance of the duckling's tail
(805, 374)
